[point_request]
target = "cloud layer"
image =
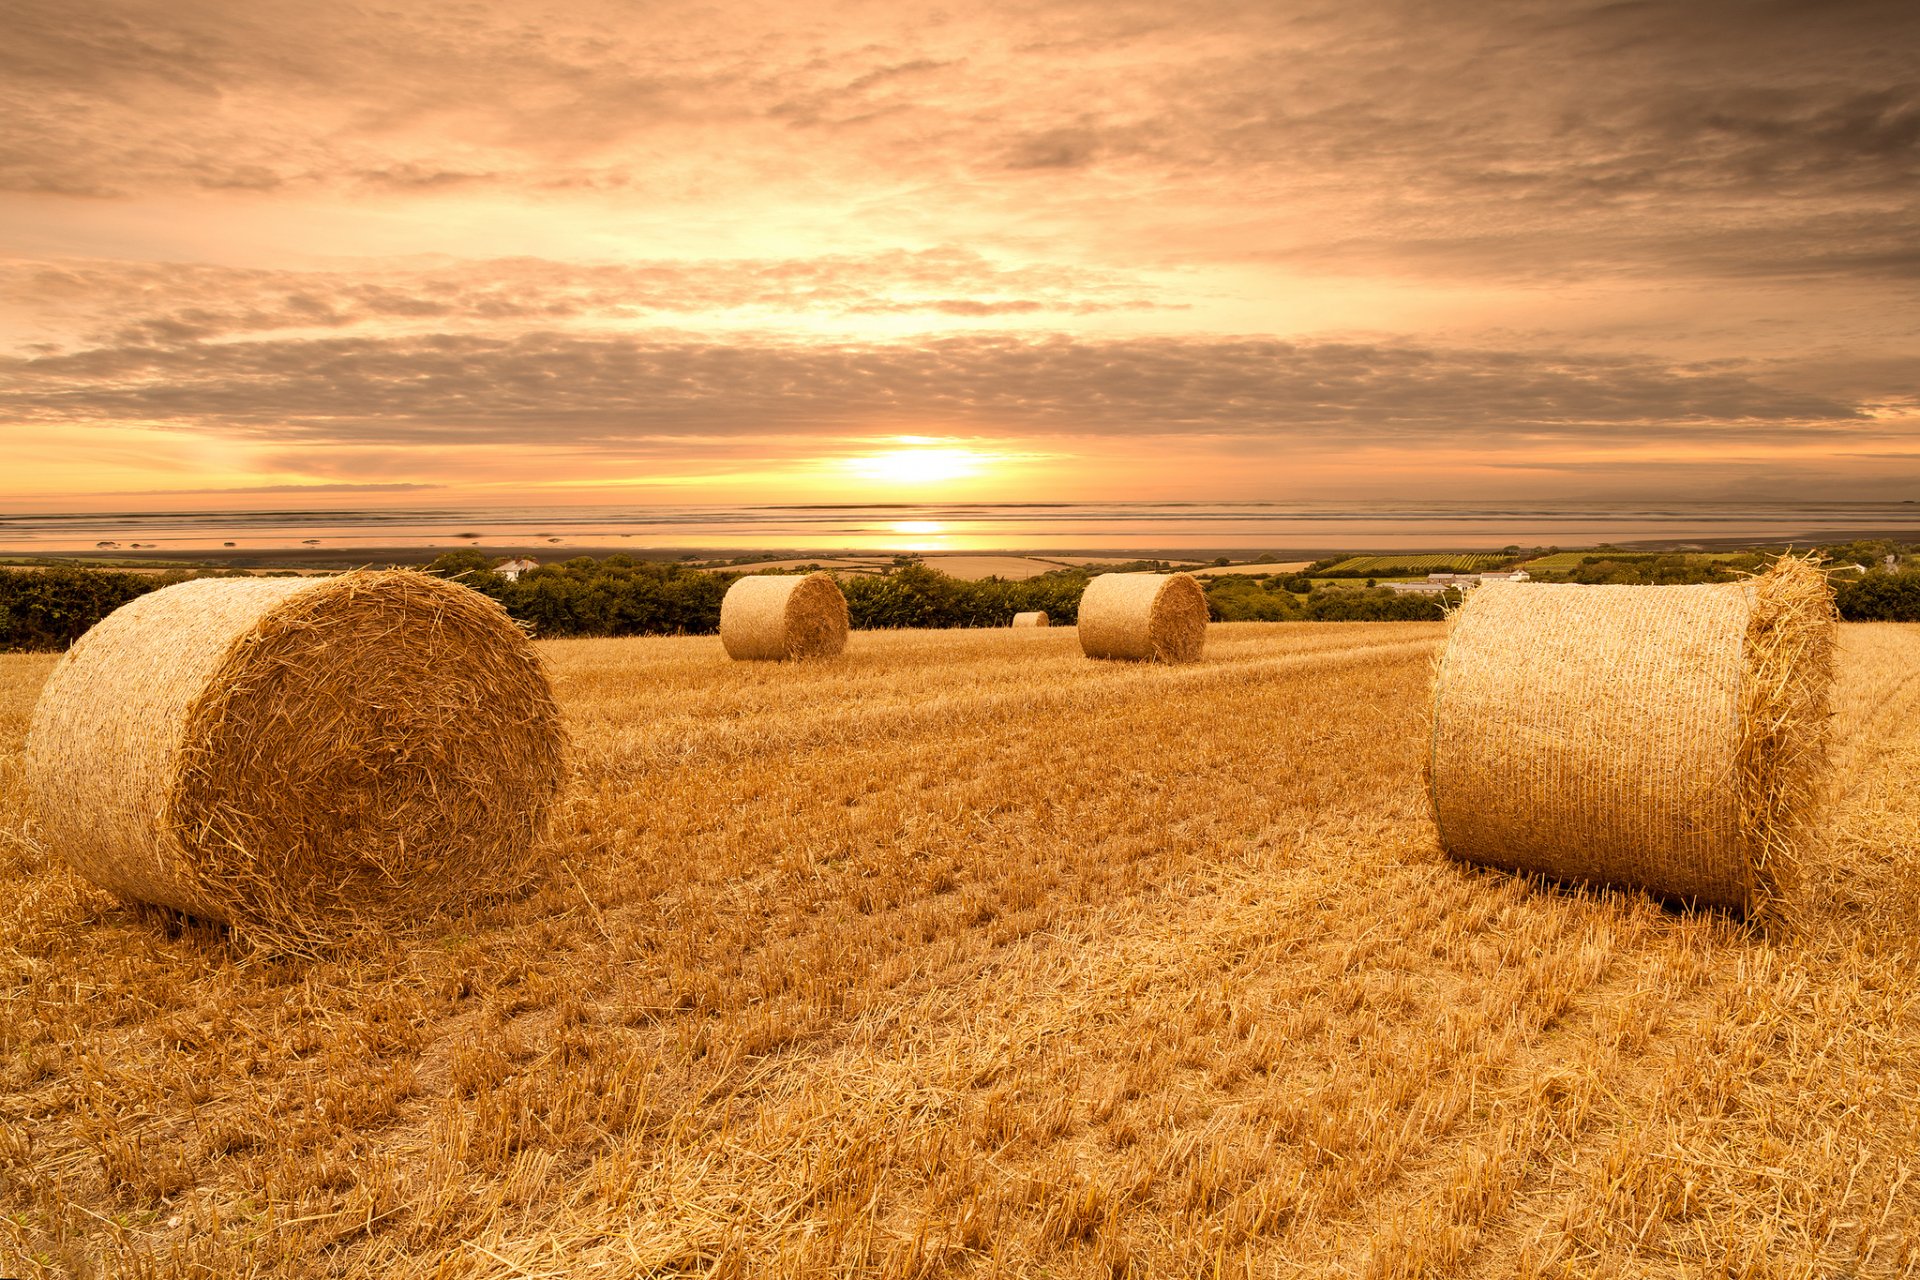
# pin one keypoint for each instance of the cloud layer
(1397, 118)
(184, 302)
(1522, 226)
(558, 387)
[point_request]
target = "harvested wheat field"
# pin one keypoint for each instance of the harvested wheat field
(952, 956)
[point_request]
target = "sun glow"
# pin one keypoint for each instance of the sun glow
(919, 460)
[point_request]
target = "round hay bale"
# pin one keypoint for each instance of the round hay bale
(775, 616)
(299, 756)
(1157, 617)
(1669, 738)
(1032, 618)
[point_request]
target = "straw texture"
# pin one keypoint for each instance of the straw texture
(299, 756)
(1669, 738)
(1032, 618)
(1144, 617)
(769, 617)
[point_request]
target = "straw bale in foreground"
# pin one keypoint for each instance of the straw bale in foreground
(775, 616)
(1670, 738)
(1158, 617)
(1032, 618)
(299, 755)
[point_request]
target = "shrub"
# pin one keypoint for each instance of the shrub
(1378, 605)
(617, 596)
(51, 608)
(916, 596)
(1246, 599)
(1878, 596)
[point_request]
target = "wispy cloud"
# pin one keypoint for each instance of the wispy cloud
(1686, 122)
(397, 487)
(167, 303)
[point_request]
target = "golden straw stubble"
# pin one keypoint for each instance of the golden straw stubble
(1144, 617)
(1669, 738)
(300, 756)
(771, 617)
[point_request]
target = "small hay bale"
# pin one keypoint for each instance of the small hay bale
(774, 616)
(1158, 617)
(1670, 738)
(299, 756)
(1032, 618)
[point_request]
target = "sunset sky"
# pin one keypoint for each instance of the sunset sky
(648, 252)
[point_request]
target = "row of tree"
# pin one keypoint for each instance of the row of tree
(1661, 571)
(48, 609)
(621, 596)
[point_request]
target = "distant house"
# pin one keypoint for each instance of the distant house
(1428, 588)
(512, 569)
(1465, 581)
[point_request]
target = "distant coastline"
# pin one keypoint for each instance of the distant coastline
(1182, 530)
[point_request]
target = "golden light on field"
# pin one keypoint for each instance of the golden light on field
(934, 949)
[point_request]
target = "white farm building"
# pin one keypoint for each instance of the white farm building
(512, 569)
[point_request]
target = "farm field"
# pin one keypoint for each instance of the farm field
(960, 955)
(1260, 568)
(1563, 561)
(1408, 566)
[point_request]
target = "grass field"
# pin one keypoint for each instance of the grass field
(1561, 561)
(1387, 566)
(961, 955)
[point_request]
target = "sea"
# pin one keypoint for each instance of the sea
(1174, 529)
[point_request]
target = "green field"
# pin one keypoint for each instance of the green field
(1385, 566)
(1565, 560)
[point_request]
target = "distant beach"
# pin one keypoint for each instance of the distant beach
(1292, 530)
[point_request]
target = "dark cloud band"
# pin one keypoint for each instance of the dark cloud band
(567, 388)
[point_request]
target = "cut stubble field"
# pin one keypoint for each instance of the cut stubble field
(962, 955)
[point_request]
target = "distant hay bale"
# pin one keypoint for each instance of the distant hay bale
(1032, 618)
(299, 756)
(1160, 617)
(775, 616)
(1671, 738)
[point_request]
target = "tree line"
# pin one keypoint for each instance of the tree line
(48, 609)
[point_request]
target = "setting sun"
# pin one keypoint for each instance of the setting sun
(918, 462)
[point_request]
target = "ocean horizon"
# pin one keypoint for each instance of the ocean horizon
(1179, 529)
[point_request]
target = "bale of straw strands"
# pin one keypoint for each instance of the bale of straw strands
(1032, 618)
(1158, 617)
(299, 756)
(1670, 738)
(775, 616)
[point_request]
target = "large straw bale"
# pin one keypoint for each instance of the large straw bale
(1158, 617)
(299, 756)
(775, 616)
(1670, 738)
(1032, 618)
